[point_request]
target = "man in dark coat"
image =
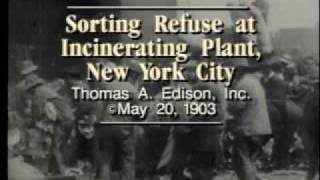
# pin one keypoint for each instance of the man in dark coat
(206, 151)
(311, 129)
(197, 148)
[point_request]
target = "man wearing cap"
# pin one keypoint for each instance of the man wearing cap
(251, 126)
(276, 91)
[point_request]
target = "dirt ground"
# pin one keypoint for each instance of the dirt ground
(22, 171)
(275, 175)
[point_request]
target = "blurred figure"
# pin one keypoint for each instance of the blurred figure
(311, 127)
(276, 93)
(51, 122)
(22, 101)
(122, 136)
(180, 141)
(251, 127)
(27, 68)
(72, 78)
(207, 154)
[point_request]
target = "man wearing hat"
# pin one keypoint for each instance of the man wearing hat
(251, 126)
(26, 68)
(51, 116)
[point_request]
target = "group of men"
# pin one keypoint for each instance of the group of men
(59, 135)
(63, 136)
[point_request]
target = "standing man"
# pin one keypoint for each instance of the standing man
(276, 92)
(311, 127)
(251, 127)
